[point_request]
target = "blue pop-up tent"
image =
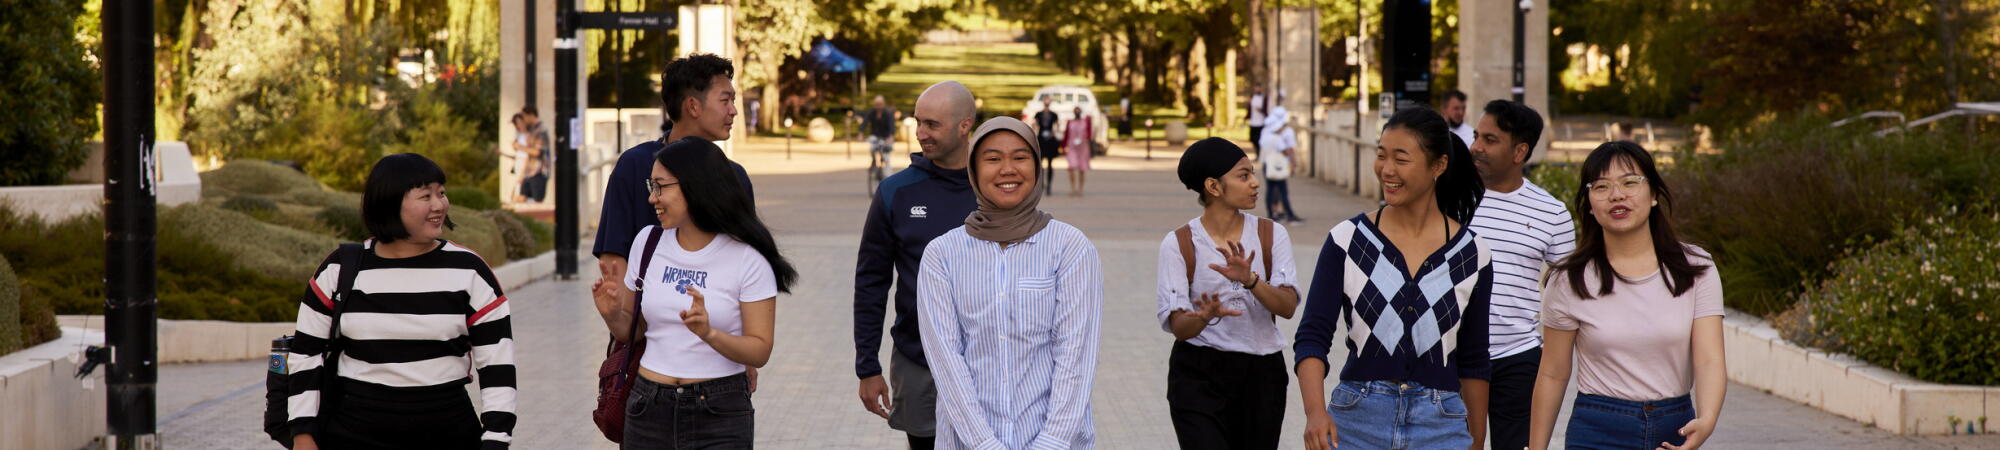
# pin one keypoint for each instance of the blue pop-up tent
(826, 58)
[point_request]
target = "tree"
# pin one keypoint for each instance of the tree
(49, 87)
(768, 32)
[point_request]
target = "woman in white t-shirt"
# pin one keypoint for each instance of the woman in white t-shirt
(1275, 152)
(708, 308)
(1640, 310)
(1224, 279)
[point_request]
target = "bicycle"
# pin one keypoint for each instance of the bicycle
(878, 162)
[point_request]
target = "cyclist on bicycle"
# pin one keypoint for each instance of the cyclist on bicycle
(881, 125)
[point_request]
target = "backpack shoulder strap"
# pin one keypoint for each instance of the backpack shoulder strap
(1185, 235)
(645, 261)
(1264, 227)
(350, 266)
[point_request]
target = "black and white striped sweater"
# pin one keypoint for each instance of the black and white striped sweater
(416, 325)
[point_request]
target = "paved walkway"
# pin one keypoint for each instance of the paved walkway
(815, 202)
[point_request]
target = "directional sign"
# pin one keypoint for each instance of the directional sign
(626, 20)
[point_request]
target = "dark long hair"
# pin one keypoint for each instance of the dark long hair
(1459, 190)
(717, 201)
(1667, 246)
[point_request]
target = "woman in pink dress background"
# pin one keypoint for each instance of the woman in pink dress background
(1076, 147)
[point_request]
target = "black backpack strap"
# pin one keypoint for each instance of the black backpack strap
(638, 315)
(329, 374)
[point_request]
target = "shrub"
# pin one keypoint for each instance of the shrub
(255, 206)
(10, 309)
(544, 233)
(520, 243)
(271, 250)
(345, 221)
(324, 198)
(251, 176)
(1924, 302)
(477, 232)
(454, 142)
(1785, 200)
(50, 90)
(191, 271)
(469, 197)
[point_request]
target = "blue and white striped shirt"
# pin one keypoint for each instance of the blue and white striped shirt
(1012, 338)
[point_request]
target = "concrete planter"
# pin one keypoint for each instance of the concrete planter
(190, 341)
(42, 404)
(1847, 387)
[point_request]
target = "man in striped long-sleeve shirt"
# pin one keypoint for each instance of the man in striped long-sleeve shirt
(1528, 229)
(423, 318)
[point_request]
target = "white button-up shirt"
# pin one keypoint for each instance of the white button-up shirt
(1256, 331)
(1011, 335)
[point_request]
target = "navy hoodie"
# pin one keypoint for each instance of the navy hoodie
(625, 210)
(912, 207)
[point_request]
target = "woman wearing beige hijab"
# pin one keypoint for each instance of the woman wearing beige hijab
(1009, 308)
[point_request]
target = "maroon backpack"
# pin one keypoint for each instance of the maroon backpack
(621, 360)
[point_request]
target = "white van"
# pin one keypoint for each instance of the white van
(1065, 98)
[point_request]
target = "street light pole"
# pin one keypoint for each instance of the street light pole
(130, 190)
(1520, 49)
(567, 127)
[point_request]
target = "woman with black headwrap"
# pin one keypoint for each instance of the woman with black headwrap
(1221, 288)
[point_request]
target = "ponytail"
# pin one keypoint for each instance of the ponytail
(1459, 189)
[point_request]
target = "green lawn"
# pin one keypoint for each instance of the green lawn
(1005, 76)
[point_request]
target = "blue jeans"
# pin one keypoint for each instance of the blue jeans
(1599, 422)
(1386, 415)
(706, 415)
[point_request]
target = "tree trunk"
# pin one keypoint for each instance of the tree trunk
(1253, 55)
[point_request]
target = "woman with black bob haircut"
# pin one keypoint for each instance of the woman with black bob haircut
(421, 316)
(706, 304)
(1416, 370)
(1639, 313)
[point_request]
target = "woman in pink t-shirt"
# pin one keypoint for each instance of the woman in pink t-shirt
(1641, 312)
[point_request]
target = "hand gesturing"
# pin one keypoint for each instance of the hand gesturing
(1209, 307)
(1238, 263)
(696, 316)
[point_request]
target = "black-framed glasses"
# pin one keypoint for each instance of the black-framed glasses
(654, 187)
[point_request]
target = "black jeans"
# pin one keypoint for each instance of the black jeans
(707, 415)
(369, 417)
(1513, 394)
(1225, 400)
(1256, 137)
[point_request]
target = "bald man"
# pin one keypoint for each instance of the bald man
(912, 207)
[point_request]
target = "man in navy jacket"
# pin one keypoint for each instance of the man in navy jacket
(912, 207)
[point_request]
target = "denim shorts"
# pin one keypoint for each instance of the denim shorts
(1599, 422)
(707, 415)
(1397, 415)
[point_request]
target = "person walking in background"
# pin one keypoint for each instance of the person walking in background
(422, 317)
(709, 305)
(1528, 230)
(1010, 305)
(1049, 141)
(1638, 311)
(1453, 110)
(532, 148)
(1077, 135)
(1279, 162)
(1224, 279)
(1256, 117)
(925, 200)
(1417, 367)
